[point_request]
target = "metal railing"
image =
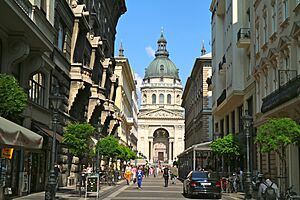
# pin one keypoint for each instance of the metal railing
(243, 33)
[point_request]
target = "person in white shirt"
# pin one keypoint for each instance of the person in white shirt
(267, 182)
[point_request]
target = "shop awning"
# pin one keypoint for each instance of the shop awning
(13, 134)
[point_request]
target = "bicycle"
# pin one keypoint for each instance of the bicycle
(290, 194)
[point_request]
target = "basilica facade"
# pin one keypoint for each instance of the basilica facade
(161, 117)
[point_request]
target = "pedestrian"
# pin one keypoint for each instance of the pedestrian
(174, 173)
(166, 175)
(139, 177)
(268, 190)
(57, 172)
(134, 174)
(241, 180)
(89, 169)
(127, 174)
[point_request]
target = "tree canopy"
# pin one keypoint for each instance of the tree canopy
(109, 147)
(226, 146)
(77, 136)
(13, 99)
(277, 133)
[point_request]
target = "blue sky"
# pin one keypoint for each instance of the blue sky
(185, 25)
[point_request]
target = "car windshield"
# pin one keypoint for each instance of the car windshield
(199, 175)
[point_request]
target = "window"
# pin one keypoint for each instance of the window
(265, 29)
(37, 89)
(153, 99)
(285, 9)
(161, 99)
(60, 36)
(273, 17)
(169, 99)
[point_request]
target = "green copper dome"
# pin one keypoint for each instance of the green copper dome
(162, 66)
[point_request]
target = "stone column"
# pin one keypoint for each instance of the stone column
(150, 149)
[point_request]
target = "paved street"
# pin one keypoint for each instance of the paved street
(152, 189)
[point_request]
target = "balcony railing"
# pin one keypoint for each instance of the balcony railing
(283, 94)
(243, 38)
(26, 6)
(221, 98)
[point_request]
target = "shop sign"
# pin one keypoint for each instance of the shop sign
(7, 153)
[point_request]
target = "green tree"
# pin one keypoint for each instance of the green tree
(77, 137)
(275, 135)
(227, 147)
(13, 99)
(108, 147)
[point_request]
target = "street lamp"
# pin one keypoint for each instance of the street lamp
(56, 101)
(99, 130)
(247, 120)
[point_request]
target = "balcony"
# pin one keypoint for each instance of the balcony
(26, 6)
(282, 95)
(243, 38)
(26, 20)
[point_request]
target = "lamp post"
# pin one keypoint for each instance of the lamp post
(56, 100)
(247, 119)
(99, 130)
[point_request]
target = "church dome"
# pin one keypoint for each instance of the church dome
(161, 66)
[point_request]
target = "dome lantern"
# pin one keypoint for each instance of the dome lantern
(161, 66)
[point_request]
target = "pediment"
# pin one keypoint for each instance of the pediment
(161, 113)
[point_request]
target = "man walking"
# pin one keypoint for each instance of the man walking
(166, 175)
(268, 190)
(174, 174)
(139, 177)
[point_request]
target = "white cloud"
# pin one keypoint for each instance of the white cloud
(150, 51)
(139, 81)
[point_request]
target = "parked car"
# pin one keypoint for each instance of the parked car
(202, 184)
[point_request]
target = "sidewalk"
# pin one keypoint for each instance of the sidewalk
(233, 196)
(66, 193)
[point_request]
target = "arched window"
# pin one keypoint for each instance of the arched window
(161, 99)
(37, 89)
(153, 99)
(144, 98)
(169, 99)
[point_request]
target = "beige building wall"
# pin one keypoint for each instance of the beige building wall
(233, 88)
(196, 100)
(126, 101)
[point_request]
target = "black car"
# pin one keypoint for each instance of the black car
(201, 183)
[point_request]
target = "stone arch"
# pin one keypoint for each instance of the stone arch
(161, 145)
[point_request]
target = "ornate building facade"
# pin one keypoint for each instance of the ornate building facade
(65, 44)
(265, 53)
(161, 117)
